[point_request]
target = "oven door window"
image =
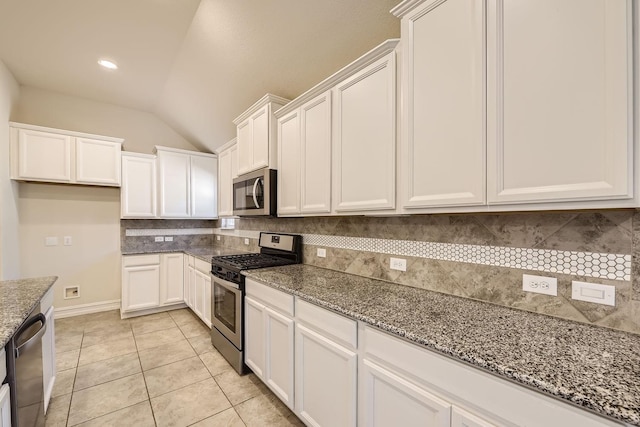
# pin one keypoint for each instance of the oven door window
(224, 309)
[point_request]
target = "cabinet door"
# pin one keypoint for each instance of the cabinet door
(138, 192)
(365, 138)
(140, 287)
(254, 336)
(388, 399)
(97, 162)
(173, 179)
(225, 186)
(442, 137)
(245, 146)
(199, 293)
(278, 372)
(559, 118)
(172, 279)
(326, 375)
(192, 288)
(289, 164)
(234, 166)
(44, 156)
(207, 300)
(204, 186)
(315, 146)
(5, 406)
(48, 358)
(261, 138)
(462, 418)
(185, 278)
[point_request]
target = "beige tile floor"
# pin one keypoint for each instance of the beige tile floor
(155, 370)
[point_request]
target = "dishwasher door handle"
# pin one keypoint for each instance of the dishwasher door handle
(35, 337)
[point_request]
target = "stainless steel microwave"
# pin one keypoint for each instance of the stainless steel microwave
(254, 193)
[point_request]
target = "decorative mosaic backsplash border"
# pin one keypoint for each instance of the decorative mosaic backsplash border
(166, 231)
(590, 264)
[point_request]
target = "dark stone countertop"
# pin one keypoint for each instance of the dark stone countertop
(593, 367)
(17, 299)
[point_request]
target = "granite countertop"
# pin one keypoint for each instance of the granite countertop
(592, 367)
(17, 299)
(204, 253)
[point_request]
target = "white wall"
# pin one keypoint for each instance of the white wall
(90, 215)
(9, 240)
(141, 130)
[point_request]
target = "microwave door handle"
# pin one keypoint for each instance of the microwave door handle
(255, 199)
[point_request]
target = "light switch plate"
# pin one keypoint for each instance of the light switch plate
(246, 241)
(593, 292)
(322, 252)
(67, 241)
(51, 241)
(168, 238)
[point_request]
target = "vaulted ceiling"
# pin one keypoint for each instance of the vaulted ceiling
(196, 64)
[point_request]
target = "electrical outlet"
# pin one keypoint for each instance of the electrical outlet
(218, 238)
(246, 241)
(159, 239)
(67, 240)
(168, 238)
(593, 292)
(51, 241)
(398, 264)
(322, 252)
(540, 284)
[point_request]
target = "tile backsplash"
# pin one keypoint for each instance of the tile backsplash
(482, 256)
(479, 256)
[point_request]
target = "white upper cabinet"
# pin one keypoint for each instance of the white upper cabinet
(227, 167)
(304, 156)
(289, 163)
(315, 155)
(257, 135)
(187, 184)
(559, 110)
(138, 193)
(97, 162)
(364, 137)
(54, 155)
(173, 184)
(442, 142)
(204, 186)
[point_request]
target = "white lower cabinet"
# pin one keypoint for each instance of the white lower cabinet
(326, 375)
(269, 348)
(5, 406)
(462, 418)
(199, 289)
(388, 399)
(151, 281)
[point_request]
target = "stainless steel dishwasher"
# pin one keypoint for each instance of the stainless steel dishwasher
(24, 371)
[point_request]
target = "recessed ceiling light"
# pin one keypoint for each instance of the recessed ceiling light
(108, 64)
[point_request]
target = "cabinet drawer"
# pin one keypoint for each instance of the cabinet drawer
(339, 327)
(202, 266)
(272, 297)
(133, 260)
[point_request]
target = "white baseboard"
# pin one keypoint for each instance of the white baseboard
(152, 310)
(94, 307)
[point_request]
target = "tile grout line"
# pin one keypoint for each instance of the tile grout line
(144, 378)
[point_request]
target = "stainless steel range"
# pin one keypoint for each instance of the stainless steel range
(228, 290)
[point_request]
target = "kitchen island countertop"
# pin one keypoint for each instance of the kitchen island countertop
(17, 299)
(593, 367)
